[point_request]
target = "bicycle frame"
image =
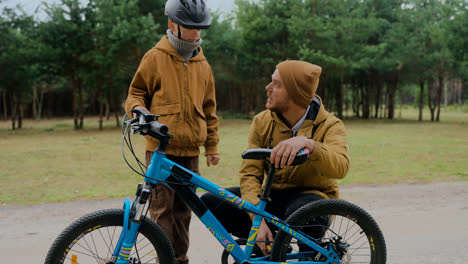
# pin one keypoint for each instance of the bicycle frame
(174, 175)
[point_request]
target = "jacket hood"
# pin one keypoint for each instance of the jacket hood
(165, 46)
(322, 114)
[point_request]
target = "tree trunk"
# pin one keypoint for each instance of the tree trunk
(38, 100)
(378, 97)
(365, 101)
(80, 93)
(108, 112)
(346, 109)
(34, 100)
(355, 99)
(459, 97)
(101, 106)
(340, 98)
(445, 95)
(439, 96)
(391, 91)
(430, 90)
(421, 99)
(116, 111)
(21, 114)
(13, 113)
(75, 113)
(400, 114)
(50, 104)
(5, 107)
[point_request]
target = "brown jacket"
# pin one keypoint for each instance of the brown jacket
(328, 162)
(183, 93)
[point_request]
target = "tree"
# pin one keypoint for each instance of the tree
(221, 44)
(16, 52)
(120, 34)
(68, 32)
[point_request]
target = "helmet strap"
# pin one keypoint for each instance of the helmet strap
(178, 31)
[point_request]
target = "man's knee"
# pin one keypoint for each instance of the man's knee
(209, 199)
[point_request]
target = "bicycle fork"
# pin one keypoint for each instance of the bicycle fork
(131, 223)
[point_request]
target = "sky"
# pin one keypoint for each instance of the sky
(31, 5)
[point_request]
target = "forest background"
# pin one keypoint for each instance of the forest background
(376, 55)
(65, 72)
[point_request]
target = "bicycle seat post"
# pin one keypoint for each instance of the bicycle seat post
(269, 181)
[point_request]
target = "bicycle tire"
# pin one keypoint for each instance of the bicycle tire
(106, 225)
(340, 211)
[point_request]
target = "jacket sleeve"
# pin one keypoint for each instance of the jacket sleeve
(252, 171)
(143, 84)
(212, 122)
(331, 155)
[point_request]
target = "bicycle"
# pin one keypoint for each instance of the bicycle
(347, 233)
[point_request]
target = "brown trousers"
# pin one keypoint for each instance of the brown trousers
(170, 212)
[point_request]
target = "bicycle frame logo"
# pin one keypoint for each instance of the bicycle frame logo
(236, 200)
(225, 242)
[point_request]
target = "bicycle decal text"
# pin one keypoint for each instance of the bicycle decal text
(232, 198)
(253, 235)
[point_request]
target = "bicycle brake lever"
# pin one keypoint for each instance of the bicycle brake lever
(131, 121)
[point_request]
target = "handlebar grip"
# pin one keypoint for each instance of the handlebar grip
(301, 157)
(257, 154)
(158, 127)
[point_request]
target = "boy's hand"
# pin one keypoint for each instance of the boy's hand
(212, 160)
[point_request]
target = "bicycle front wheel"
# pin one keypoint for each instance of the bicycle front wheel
(93, 238)
(350, 230)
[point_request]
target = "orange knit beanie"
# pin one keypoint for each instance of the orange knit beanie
(300, 79)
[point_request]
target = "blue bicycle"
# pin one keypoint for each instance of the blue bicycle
(327, 231)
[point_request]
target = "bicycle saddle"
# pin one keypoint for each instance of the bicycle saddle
(261, 153)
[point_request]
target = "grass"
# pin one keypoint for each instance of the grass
(48, 161)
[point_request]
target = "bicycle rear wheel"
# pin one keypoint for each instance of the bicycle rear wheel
(349, 229)
(93, 238)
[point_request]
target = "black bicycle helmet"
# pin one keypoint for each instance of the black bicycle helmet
(191, 14)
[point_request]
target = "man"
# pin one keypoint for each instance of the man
(295, 119)
(175, 81)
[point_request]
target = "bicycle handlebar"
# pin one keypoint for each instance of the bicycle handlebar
(147, 124)
(260, 153)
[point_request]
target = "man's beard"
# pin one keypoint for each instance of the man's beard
(279, 109)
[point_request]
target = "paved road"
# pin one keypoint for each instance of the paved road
(422, 223)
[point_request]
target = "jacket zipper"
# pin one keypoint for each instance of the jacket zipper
(184, 97)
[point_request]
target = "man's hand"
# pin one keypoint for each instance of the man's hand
(264, 234)
(212, 160)
(285, 152)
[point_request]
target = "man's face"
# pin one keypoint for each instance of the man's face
(186, 34)
(278, 99)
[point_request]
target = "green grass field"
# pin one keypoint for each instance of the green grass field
(48, 161)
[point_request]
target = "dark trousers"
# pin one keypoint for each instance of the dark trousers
(170, 212)
(238, 223)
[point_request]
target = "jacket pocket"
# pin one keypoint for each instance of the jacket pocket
(168, 109)
(199, 110)
(169, 116)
